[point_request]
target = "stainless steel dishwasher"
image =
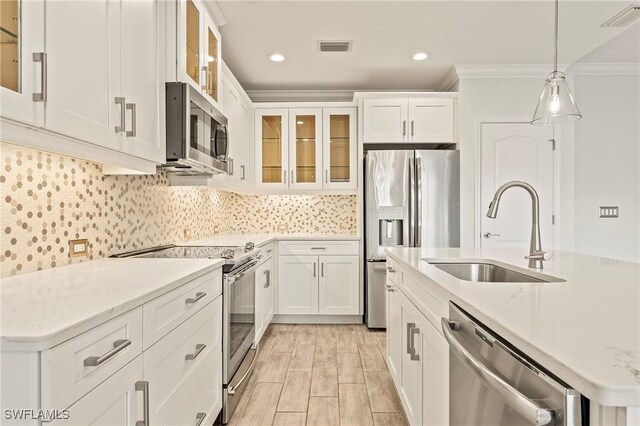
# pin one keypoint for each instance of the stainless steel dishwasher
(492, 384)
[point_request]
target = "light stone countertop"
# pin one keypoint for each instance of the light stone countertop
(42, 309)
(585, 330)
(262, 239)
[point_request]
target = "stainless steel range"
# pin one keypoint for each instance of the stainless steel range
(238, 294)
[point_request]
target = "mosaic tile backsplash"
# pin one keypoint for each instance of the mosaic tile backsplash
(48, 199)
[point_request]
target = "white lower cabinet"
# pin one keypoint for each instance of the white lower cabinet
(298, 285)
(418, 359)
(114, 402)
(318, 278)
(264, 296)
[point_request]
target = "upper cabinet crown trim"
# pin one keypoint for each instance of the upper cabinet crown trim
(407, 95)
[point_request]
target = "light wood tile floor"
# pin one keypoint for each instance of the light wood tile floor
(320, 375)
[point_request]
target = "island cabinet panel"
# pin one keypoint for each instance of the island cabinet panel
(394, 332)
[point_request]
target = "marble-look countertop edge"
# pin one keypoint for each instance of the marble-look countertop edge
(603, 394)
(30, 343)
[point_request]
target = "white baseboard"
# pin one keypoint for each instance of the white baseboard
(317, 319)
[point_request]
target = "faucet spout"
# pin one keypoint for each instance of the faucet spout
(536, 255)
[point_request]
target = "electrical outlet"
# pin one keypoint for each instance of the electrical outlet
(78, 248)
(283, 227)
(609, 212)
(216, 229)
(187, 233)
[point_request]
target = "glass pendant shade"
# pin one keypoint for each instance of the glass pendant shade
(556, 103)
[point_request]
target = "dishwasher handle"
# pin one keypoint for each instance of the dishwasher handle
(527, 408)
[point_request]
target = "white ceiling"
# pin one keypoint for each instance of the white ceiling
(385, 35)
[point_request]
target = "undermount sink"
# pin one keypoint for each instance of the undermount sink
(488, 273)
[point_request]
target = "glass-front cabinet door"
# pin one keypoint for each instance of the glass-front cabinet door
(22, 61)
(305, 148)
(192, 48)
(272, 148)
(340, 148)
(211, 64)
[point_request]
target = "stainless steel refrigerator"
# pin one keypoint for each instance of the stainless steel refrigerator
(412, 199)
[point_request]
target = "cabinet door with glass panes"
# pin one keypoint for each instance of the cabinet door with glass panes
(272, 148)
(305, 148)
(22, 61)
(211, 64)
(340, 148)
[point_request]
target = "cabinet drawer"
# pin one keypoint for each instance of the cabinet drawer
(163, 314)
(393, 270)
(175, 364)
(205, 399)
(71, 369)
(268, 250)
(432, 302)
(318, 247)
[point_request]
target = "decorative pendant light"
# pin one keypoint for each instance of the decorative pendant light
(556, 104)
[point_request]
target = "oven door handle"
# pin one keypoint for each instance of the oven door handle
(250, 268)
(231, 390)
(527, 408)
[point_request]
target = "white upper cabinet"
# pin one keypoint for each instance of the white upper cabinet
(199, 48)
(23, 61)
(272, 148)
(84, 98)
(385, 120)
(140, 41)
(306, 148)
(412, 120)
(340, 148)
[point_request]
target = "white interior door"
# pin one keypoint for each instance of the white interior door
(516, 151)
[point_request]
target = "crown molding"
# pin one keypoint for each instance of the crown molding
(301, 95)
(607, 69)
(215, 10)
(449, 80)
(506, 71)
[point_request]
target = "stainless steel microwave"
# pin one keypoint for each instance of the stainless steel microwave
(197, 133)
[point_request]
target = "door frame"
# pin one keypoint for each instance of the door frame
(557, 161)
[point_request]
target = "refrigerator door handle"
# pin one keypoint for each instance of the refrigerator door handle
(418, 211)
(412, 191)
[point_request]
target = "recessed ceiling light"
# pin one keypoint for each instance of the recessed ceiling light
(276, 57)
(420, 56)
(299, 122)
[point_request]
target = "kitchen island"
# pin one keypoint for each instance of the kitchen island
(584, 329)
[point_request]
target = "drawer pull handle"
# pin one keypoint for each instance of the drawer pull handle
(199, 295)
(318, 248)
(199, 348)
(390, 269)
(143, 386)
(389, 288)
(118, 345)
(200, 418)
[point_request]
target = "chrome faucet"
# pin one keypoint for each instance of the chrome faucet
(536, 254)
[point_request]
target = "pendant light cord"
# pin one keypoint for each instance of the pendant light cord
(555, 42)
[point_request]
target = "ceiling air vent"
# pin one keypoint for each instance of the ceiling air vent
(334, 46)
(629, 15)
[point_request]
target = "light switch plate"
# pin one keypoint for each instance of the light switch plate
(609, 212)
(78, 248)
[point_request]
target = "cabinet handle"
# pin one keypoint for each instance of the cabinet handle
(199, 348)
(322, 269)
(292, 177)
(267, 274)
(412, 351)
(326, 176)
(42, 58)
(205, 81)
(318, 248)
(391, 270)
(120, 101)
(132, 132)
(118, 345)
(199, 295)
(284, 176)
(314, 269)
(269, 251)
(404, 127)
(409, 326)
(411, 127)
(200, 418)
(243, 172)
(143, 386)
(390, 289)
